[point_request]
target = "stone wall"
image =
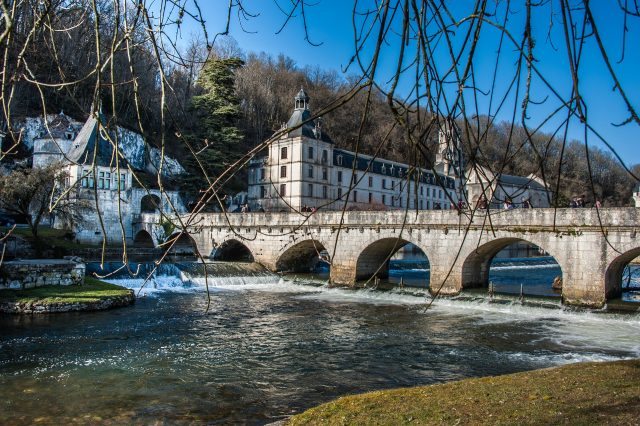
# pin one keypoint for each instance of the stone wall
(23, 274)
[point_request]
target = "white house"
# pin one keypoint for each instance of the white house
(103, 180)
(303, 168)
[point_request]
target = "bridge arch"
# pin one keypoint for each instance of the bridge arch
(373, 260)
(232, 250)
(143, 239)
(302, 256)
(184, 244)
(477, 264)
(614, 273)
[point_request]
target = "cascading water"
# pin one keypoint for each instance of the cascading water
(147, 278)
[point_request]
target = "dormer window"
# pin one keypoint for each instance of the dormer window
(339, 160)
(383, 170)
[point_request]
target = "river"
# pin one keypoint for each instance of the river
(269, 346)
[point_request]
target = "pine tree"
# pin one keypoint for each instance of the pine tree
(215, 134)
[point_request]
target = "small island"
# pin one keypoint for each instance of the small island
(92, 295)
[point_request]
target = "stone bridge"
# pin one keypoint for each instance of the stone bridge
(591, 247)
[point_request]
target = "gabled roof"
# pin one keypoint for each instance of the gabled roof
(91, 144)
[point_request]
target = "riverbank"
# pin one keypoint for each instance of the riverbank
(93, 295)
(583, 393)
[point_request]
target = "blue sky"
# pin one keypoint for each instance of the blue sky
(330, 23)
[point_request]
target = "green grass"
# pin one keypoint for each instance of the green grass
(92, 290)
(583, 394)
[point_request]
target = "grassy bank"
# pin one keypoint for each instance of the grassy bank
(91, 291)
(587, 393)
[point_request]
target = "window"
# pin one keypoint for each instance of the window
(100, 180)
(325, 156)
(393, 185)
(421, 190)
(355, 196)
(310, 172)
(339, 176)
(283, 171)
(325, 173)
(107, 180)
(310, 190)
(339, 160)
(384, 199)
(440, 193)
(283, 153)
(370, 181)
(283, 190)
(421, 204)
(370, 198)
(325, 192)
(354, 178)
(339, 193)
(384, 184)
(123, 181)
(262, 173)
(310, 156)
(383, 170)
(263, 192)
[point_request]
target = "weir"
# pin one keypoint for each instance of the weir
(591, 246)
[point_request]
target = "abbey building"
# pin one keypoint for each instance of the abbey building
(304, 169)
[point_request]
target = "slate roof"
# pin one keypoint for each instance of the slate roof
(88, 144)
(58, 127)
(387, 168)
(520, 181)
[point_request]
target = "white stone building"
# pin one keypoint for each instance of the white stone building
(501, 188)
(636, 197)
(304, 168)
(103, 180)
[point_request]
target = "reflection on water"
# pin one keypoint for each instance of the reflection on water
(269, 347)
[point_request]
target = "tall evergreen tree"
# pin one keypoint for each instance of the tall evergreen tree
(215, 135)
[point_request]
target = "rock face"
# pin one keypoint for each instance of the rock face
(23, 274)
(144, 157)
(40, 307)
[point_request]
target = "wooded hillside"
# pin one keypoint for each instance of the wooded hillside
(122, 67)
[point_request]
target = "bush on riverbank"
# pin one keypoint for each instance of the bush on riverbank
(92, 295)
(586, 393)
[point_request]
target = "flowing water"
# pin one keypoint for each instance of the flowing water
(269, 346)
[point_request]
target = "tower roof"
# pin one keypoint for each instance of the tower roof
(301, 120)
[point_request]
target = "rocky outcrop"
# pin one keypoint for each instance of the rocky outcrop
(45, 307)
